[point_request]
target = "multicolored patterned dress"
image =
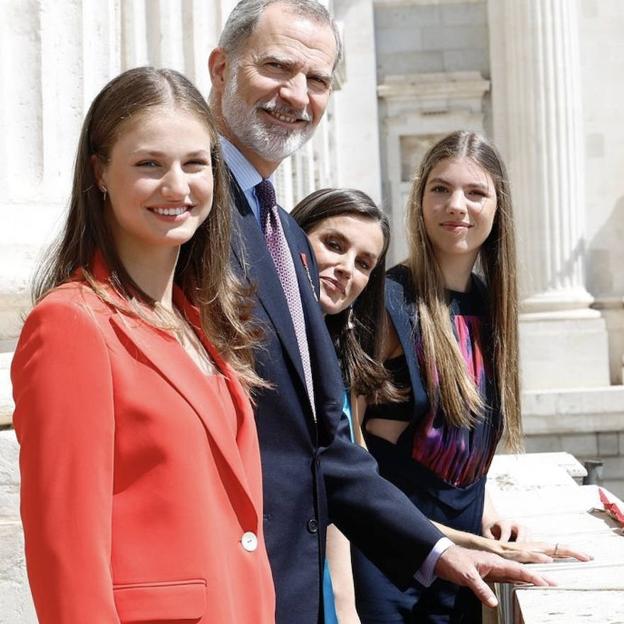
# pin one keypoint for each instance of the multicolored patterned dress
(441, 468)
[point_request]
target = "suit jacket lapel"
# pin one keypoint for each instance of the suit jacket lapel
(249, 248)
(164, 353)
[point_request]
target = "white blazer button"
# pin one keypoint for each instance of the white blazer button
(249, 541)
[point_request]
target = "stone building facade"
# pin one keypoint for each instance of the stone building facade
(539, 77)
(542, 77)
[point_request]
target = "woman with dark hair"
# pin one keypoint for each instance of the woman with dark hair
(349, 235)
(140, 471)
(332, 219)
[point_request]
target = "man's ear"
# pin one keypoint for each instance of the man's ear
(217, 66)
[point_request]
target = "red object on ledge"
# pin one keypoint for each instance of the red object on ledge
(611, 508)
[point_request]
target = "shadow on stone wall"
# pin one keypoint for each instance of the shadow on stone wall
(605, 256)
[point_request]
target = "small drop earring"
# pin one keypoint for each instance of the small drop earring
(104, 192)
(350, 323)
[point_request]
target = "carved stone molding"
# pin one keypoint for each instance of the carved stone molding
(417, 109)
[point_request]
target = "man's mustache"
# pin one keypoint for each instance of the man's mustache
(274, 107)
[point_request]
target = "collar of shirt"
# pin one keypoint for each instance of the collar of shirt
(244, 173)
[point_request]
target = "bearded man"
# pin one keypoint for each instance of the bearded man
(271, 83)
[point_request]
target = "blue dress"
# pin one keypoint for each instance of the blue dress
(329, 607)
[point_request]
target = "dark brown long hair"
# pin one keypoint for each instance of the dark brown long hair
(445, 368)
(202, 271)
(359, 347)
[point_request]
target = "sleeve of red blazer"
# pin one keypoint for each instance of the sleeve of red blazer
(64, 420)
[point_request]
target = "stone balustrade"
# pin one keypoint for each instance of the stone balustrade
(541, 491)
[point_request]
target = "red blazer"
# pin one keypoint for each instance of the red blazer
(141, 492)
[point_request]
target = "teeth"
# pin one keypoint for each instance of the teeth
(284, 118)
(169, 212)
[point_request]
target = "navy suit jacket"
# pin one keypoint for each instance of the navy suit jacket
(312, 474)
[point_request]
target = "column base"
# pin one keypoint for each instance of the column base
(558, 301)
(564, 350)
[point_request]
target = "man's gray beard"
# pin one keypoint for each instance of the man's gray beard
(271, 142)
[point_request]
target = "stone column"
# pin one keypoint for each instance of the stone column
(54, 58)
(537, 121)
(356, 125)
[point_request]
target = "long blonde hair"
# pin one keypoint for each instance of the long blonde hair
(446, 378)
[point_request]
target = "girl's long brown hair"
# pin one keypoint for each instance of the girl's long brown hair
(445, 373)
(203, 271)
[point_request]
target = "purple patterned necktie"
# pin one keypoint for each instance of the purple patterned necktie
(280, 252)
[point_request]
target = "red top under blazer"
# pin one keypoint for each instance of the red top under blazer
(141, 486)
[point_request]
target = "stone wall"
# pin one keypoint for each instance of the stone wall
(601, 24)
(541, 492)
(432, 75)
(589, 424)
(15, 601)
(606, 446)
(602, 60)
(418, 37)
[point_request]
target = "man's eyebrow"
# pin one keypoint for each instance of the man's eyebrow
(319, 75)
(289, 63)
(275, 58)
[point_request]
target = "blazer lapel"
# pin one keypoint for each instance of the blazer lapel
(166, 355)
(249, 249)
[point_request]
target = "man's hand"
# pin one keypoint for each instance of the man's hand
(469, 568)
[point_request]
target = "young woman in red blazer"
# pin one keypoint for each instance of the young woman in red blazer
(141, 484)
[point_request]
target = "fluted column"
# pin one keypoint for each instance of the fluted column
(54, 57)
(537, 114)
